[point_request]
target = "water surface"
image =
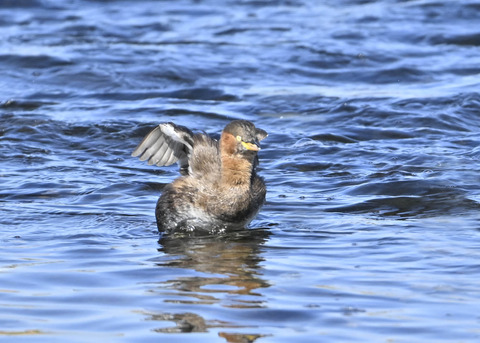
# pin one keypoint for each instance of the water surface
(370, 232)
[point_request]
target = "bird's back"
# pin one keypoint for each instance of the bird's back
(204, 162)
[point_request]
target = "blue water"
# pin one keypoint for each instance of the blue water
(371, 230)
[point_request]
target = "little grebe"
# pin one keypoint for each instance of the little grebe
(219, 188)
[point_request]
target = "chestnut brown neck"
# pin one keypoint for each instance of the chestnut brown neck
(236, 169)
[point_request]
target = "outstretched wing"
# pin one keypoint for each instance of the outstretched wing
(165, 145)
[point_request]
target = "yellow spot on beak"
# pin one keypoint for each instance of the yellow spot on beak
(250, 146)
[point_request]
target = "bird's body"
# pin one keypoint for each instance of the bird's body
(219, 188)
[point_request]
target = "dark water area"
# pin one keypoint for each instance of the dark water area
(371, 230)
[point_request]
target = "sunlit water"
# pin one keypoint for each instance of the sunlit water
(371, 230)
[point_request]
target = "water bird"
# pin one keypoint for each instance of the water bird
(219, 188)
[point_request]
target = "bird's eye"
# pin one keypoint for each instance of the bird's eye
(239, 138)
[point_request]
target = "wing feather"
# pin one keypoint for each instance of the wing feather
(166, 144)
(170, 157)
(151, 150)
(158, 155)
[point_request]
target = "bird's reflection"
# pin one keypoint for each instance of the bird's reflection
(224, 269)
(230, 262)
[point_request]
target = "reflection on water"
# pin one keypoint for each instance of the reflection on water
(228, 273)
(190, 322)
(232, 260)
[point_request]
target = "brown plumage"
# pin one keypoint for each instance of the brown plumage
(219, 188)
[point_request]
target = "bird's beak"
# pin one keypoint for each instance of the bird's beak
(250, 146)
